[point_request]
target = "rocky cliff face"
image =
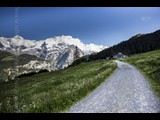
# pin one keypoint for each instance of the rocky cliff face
(61, 51)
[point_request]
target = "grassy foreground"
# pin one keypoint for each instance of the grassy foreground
(56, 91)
(149, 64)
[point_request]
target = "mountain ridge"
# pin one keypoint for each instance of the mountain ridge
(60, 50)
(138, 43)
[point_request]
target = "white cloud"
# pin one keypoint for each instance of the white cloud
(94, 47)
(18, 41)
(145, 18)
(74, 41)
(87, 48)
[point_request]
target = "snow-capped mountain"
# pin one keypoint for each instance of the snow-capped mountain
(60, 50)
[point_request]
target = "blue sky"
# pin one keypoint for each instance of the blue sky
(98, 25)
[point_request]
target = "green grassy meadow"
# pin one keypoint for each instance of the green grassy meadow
(53, 91)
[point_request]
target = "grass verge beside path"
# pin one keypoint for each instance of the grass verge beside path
(149, 64)
(56, 91)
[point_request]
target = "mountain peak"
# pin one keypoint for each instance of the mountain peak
(18, 37)
(60, 50)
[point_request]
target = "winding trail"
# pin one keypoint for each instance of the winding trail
(126, 91)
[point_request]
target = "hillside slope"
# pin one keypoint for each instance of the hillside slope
(53, 91)
(24, 63)
(139, 43)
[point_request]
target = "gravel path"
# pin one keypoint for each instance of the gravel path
(126, 91)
